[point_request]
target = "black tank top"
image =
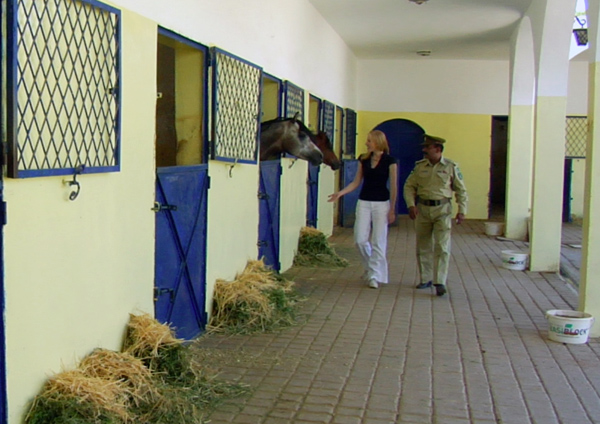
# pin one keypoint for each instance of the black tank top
(375, 180)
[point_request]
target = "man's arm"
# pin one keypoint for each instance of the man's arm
(460, 193)
(410, 195)
(393, 192)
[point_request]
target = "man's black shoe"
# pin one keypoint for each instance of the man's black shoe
(424, 285)
(440, 289)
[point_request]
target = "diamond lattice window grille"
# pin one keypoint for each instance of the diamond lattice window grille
(350, 148)
(576, 136)
(63, 87)
(237, 108)
(329, 120)
(294, 101)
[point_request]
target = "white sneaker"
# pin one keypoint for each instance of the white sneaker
(373, 284)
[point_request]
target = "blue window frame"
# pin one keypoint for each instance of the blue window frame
(63, 87)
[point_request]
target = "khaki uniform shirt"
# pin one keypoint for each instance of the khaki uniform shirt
(435, 182)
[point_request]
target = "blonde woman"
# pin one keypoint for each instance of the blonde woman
(376, 207)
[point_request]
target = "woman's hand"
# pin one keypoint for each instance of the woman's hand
(333, 197)
(391, 216)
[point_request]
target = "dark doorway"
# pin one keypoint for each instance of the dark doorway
(566, 212)
(497, 195)
(405, 138)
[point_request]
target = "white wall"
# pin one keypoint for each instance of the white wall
(434, 86)
(450, 86)
(577, 98)
(290, 39)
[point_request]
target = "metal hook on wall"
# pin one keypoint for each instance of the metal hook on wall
(231, 168)
(78, 170)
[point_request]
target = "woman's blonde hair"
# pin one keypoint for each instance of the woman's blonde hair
(380, 140)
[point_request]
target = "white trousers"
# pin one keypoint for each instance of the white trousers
(370, 236)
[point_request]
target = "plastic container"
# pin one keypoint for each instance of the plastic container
(494, 228)
(515, 260)
(566, 326)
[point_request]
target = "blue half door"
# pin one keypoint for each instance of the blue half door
(268, 225)
(405, 138)
(348, 202)
(313, 195)
(180, 254)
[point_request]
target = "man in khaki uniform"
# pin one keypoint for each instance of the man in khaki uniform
(428, 194)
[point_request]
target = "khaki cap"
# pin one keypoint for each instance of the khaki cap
(431, 139)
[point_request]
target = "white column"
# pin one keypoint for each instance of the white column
(552, 23)
(589, 285)
(520, 133)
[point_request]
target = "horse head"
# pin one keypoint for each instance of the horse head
(288, 136)
(329, 157)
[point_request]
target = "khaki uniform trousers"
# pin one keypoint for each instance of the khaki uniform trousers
(433, 226)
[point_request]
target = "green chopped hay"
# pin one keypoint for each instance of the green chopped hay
(315, 250)
(155, 380)
(190, 402)
(257, 300)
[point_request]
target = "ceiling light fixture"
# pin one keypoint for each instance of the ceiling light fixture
(418, 1)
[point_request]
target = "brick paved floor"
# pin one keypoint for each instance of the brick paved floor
(400, 355)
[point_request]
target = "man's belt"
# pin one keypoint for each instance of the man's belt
(428, 202)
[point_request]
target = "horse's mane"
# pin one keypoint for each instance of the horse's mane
(303, 128)
(267, 124)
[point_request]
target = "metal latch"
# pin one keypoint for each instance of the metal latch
(158, 207)
(159, 291)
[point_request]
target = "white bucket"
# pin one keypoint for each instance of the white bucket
(494, 228)
(567, 326)
(512, 259)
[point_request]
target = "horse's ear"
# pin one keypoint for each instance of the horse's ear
(296, 115)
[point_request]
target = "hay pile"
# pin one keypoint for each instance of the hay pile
(156, 345)
(314, 249)
(257, 300)
(154, 380)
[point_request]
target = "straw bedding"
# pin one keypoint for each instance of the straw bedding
(154, 380)
(315, 250)
(257, 300)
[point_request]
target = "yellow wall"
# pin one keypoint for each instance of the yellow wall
(232, 221)
(467, 143)
(74, 270)
(293, 208)
(313, 114)
(270, 100)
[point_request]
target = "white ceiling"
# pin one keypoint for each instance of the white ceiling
(451, 29)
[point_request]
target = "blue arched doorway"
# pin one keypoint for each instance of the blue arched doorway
(405, 138)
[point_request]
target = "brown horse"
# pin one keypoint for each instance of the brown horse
(329, 157)
(288, 135)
